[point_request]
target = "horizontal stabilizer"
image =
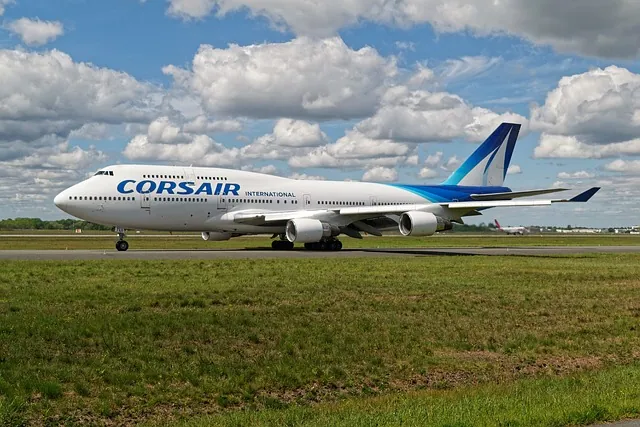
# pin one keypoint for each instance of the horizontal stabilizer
(584, 197)
(515, 194)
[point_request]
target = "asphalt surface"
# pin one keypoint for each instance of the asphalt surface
(61, 255)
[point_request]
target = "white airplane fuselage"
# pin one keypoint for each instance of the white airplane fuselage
(175, 198)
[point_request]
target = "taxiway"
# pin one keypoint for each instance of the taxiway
(62, 255)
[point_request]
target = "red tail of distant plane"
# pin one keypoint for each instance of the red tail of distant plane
(497, 224)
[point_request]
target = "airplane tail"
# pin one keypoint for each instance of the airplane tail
(497, 224)
(488, 165)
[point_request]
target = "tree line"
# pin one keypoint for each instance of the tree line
(39, 224)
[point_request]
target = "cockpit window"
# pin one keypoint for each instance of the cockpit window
(99, 173)
(110, 173)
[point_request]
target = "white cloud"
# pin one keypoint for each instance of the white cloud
(514, 170)
(404, 45)
(4, 3)
(467, 67)
(576, 175)
(47, 98)
(355, 150)
(162, 130)
(421, 116)
(433, 160)
(199, 150)
(295, 133)
(31, 181)
(49, 93)
(486, 121)
(268, 169)
(380, 174)
(452, 163)
(624, 166)
(558, 146)
(304, 176)
(203, 124)
(427, 172)
(598, 28)
(302, 78)
(35, 32)
(601, 106)
(59, 156)
(422, 76)
(91, 131)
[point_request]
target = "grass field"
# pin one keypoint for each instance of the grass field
(350, 342)
(194, 242)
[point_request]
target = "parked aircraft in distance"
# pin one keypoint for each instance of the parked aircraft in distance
(511, 230)
(224, 203)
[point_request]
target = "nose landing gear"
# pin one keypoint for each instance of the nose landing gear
(121, 244)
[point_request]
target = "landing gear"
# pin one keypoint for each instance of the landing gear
(121, 244)
(324, 245)
(282, 244)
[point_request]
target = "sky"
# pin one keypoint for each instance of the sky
(374, 90)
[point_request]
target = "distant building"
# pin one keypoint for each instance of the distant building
(579, 230)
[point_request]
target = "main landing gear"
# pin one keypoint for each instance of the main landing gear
(324, 245)
(121, 244)
(282, 245)
(331, 244)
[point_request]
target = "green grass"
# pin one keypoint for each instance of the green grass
(124, 342)
(578, 399)
(183, 241)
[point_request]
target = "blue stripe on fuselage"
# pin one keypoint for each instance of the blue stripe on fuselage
(449, 193)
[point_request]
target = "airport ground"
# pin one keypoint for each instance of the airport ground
(353, 341)
(190, 241)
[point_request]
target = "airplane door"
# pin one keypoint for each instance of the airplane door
(373, 200)
(307, 201)
(223, 203)
(145, 202)
(189, 175)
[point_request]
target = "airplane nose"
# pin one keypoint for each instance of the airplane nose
(61, 200)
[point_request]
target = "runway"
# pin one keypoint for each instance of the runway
(67, 255)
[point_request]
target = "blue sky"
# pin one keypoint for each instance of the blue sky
(374, 90)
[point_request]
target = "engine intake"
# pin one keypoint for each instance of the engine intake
(418, 223)
(215, 236)
(306, 230)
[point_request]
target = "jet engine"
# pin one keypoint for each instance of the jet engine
(306, 230)
(215, 236)
(418, 223)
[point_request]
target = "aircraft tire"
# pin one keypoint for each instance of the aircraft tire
(122, 246)
(282, 245)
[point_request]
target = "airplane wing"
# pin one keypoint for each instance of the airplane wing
(515, 194)
(363, 212)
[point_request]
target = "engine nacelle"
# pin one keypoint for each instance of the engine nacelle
(306, 230)
(418, 223)
(215, 236)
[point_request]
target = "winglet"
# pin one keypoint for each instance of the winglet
(585, 196)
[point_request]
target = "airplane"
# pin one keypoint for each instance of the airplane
(511, 230)
(226, 203)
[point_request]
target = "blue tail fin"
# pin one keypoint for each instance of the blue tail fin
(488, 165)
